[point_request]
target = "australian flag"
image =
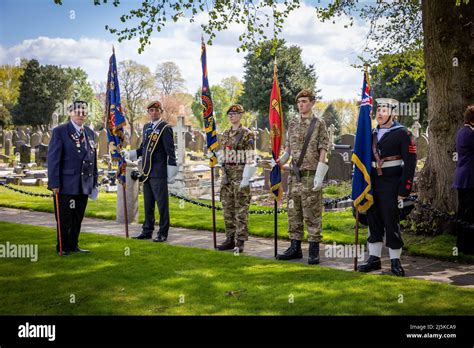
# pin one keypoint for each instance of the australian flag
(115, 119)
(208, 110)
(361, 183)
(276, 130)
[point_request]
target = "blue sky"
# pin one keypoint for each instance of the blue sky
(74, 35)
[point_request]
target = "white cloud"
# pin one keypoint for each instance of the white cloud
(330, 47)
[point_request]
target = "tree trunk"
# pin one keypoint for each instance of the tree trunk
(448, 34)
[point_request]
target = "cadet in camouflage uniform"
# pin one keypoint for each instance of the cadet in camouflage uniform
(236, 155)
(306, 178)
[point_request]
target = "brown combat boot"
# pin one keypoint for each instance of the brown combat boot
(228, 244)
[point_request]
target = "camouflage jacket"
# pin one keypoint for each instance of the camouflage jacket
(297, 129)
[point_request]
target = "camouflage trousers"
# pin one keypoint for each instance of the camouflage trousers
(235, 202)
(304, 206)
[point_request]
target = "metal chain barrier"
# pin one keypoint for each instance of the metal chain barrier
(327, 203)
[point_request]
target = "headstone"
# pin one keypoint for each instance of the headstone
(422, 147)
(103, 143)
(54, 120)
(2, 139)
(18, 145)
(331, 131)
(7, 135)
(42, 155)
(200, 140)
(131, 191)
(46, 138)
(134, 144)
(180, 130)
(348, 139)
(15, 137)
(8, 147)
(35, 140)
(265, 140)
(25, 153)
(189, 142)
(338, 168)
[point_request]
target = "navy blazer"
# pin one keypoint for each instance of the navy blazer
(464, 174)
(71, 168)
(164, 153)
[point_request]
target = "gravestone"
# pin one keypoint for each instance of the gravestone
(200, 140)
(103, 143)
(8, 147)
(25, 153)
(134, 144)
(46, 138)
(35, 140)
(2, 138)
(265, 140)
(18, 145)
(7, 135)
(42, 155)
(348, 139)
(15, 137)
(180, 130)
(189, 142)
(338, 168)
(422, 144)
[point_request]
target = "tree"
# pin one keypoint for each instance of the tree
(402, 76)
(443, 29)
(234, 88)
(136, 87)
(331, 117)
(293, 75)
(9, 91)
(42, 89)
(168, 77)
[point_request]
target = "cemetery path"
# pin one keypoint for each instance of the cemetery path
(415, 267)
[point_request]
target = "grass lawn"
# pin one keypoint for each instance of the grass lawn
(337, 226)
(171, 280)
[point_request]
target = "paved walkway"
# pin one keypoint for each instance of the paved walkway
(415, 267)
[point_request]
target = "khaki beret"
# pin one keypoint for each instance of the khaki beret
(237, 108)
(305, 93)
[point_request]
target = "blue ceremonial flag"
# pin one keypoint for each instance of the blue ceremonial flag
(115, 119)
(361, 183)
(208, 109)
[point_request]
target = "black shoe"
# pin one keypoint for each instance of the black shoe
(240, 245)
(79, 250)
(397, 268)
(293, 252)
(160, 238)
(65, 253)
(143, 236)
(228, 244)
(313, 257)
(373, 263)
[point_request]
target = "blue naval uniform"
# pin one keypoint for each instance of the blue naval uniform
(72, 167)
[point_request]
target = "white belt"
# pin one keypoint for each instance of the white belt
(389, 164)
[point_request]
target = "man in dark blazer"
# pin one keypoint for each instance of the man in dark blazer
(158, 170)
(72, 174)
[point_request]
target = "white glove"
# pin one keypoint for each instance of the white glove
(321, 171)
(171, 171)
(125, 155)
(93, 195)
(249, 171)
(218, 155)
(273, 163)
(282, 160)
(129, 155)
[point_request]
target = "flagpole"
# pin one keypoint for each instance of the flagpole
(214, 237)
(356, 239)
(125, 210)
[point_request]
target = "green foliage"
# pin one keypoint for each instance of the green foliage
(43, 90)
(402, 76)
(331, 117)
(10, 85)
(293, 75)
(223, 96)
